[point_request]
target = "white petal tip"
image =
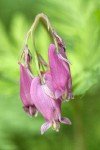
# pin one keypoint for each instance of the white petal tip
(66, 121)
(45, 127)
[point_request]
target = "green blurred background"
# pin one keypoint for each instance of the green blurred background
(78, 23)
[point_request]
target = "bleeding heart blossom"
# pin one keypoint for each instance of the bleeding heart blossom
(60, 72)
(48, 107)
(45, 92)
(25, 83)
(66, 64)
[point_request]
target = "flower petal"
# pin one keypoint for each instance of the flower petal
(48, 87)
(64, 59)
(48, 107)
(48, 91)
(55, 94)
(48, 79)
(25, 83)
(45, 127)
(58, 71)
(58, 93)
(66, 64)
(65, 121)
(31, 110)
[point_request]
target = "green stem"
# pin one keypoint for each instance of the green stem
(31, 32)
(48, 24)
(36, 61)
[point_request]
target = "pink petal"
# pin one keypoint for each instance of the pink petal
(65, 121)
(25, 83)
(45, 127)
(48, 78)
(48, 107)
(61, 51)
(58, 93)
(31, 110)
(58, 71)
(66, 64)
(64, 60)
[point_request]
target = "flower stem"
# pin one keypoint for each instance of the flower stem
(36, 61)
(48, 24)
(31, 33)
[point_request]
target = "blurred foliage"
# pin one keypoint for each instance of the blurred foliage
(78, 23)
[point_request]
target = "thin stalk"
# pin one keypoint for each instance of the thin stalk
(36, 61)
(44, 18)
(31, 33)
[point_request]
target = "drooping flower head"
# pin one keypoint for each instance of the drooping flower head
(47, 106)
(45, 92)
(60, 72)
(25, 83)
(66, 64)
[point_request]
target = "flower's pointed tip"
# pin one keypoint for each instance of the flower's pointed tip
(42, 132)
(36, 114)
(45, 127)
(30, 110)
(64, 59)
(66, 121)
(51, 47)
(69, 96)
(69, 123)
(57, 130)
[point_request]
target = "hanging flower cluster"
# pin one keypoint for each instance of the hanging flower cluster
(46, 92)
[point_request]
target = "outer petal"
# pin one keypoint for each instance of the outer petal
(56, 92)
(58, 72)
(45, 127)
(49, 108)
(57, 69)
(31, 110)
(25, 83)
(65, 121)
(67, 67)
(48, 78)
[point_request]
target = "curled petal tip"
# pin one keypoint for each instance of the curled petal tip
(48, 91)
(45, 127)
(65, 121)
(64, 59)
(69, 96)
(30, 110)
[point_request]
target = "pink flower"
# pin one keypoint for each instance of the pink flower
(60, 72)
(66, 64)
(47, 106)
(46, 91)
(25, 83)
